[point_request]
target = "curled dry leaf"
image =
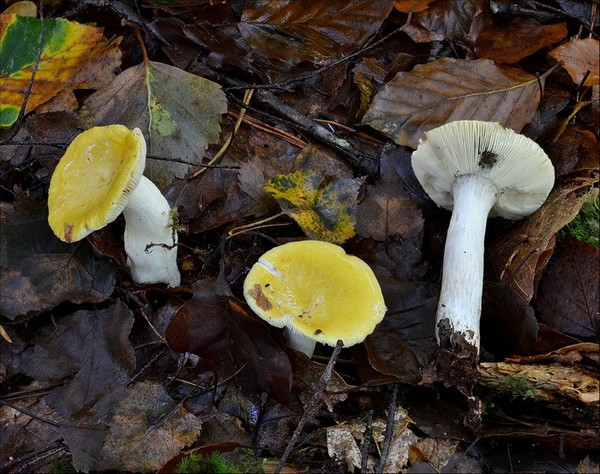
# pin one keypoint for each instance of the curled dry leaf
(518, 257)
(580, 56)
(453, 89)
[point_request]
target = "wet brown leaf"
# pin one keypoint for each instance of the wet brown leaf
(230, 340)
(179, 112)
(403, 343)
(314, 31)
(39, 271)
(408, 6)
(579, 57)
(453, 89)
(509, 43)
(568, 294)
(449, 20)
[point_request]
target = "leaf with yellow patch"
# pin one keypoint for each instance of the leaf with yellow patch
(323, 206)
(179, 112)
(68, 48)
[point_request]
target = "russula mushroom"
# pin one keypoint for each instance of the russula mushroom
(100, 176)
(476, 169)
(317, 292)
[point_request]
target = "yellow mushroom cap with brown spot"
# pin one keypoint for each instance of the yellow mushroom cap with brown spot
(92, 181)
(314, 288)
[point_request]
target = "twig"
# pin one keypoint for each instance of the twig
(313, 406)
(389, 431)
(362, 162)
(366, 444)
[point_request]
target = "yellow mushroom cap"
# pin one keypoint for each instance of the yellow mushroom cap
(316, 289)
(92, 181)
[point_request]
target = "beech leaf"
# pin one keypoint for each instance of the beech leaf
(70, 49)
(580, 56)
(323, 206)
(178, 112)
(453, 89)
(292, 32)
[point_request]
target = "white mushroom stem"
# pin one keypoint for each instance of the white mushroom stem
(459, 307)
(150, 240)
(300, 343)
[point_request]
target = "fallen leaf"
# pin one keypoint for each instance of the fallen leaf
(510, 42)
(90, 353)
(323, 206)
(453, 89)
(568, 294)
(403, 343)
(178, 112)
(518, 257)
(291, 32)
(235, 343)
(580, 56)
(40, 272)
(447, 21)
(69, 49)
(408, 6)
(147, 430)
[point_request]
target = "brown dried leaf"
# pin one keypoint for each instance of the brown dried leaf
(291, 32)
(580, 56)
(453, 89)
(147, 430)
(517, 39)
(519, 256)
(568, 294)
(448, 20)
(408, 6)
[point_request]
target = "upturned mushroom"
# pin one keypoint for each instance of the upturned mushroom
(100, 176)
(317, 292)
(476, 169)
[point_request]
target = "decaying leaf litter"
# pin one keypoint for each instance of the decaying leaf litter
(112, 375)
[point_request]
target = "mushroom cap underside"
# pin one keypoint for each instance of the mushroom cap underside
(314, 288)
(517, 165)
(92, 181)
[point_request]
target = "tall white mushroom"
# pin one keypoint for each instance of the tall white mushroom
(476, 169)
(100, 176)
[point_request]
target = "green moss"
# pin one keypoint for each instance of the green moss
(62, 465)
(516, 388)
(217, 464)
(586, 226)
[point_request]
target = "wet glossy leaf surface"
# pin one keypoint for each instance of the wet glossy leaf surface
(450, 89)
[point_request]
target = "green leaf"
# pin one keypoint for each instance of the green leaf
(178, 112)
(69, 48)
(323, 206)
